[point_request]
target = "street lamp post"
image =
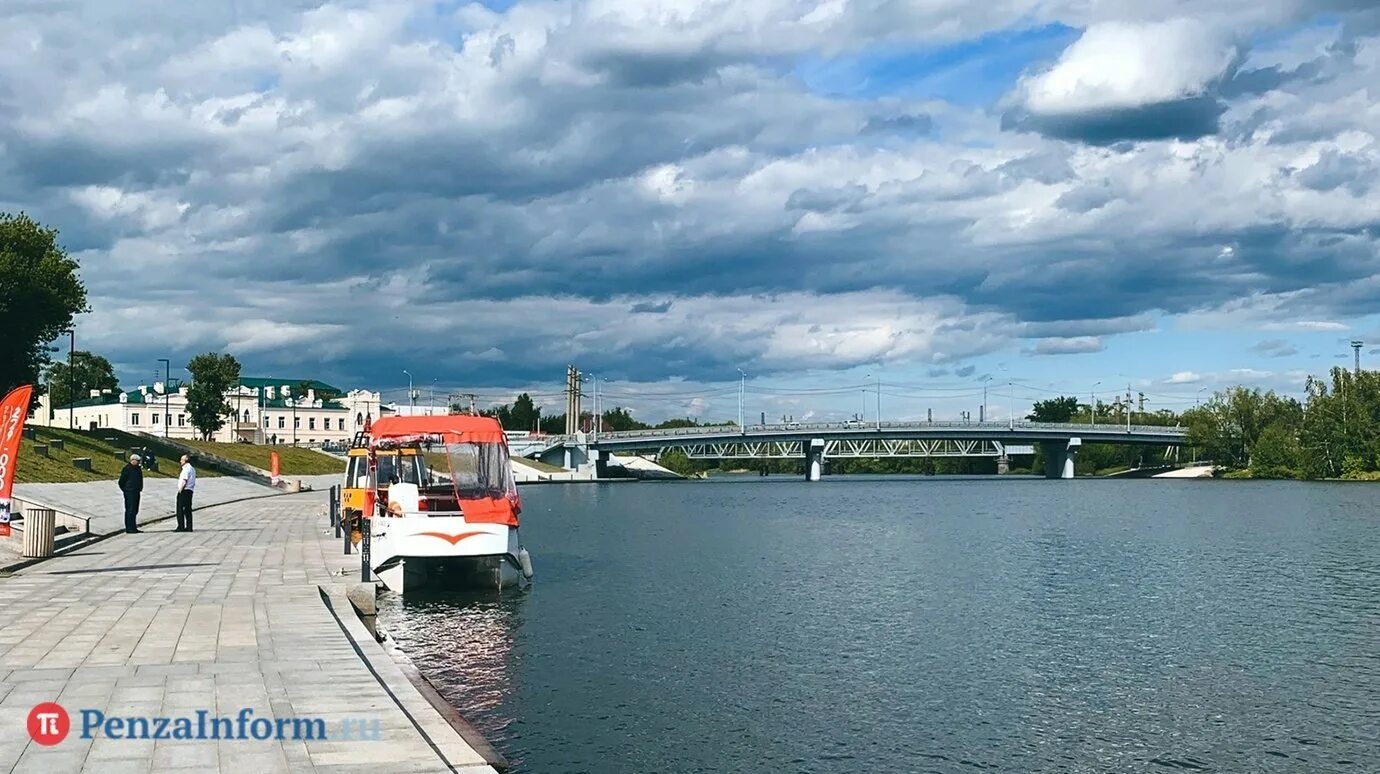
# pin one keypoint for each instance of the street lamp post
(167, 385)
(879, 402)
(982, 411)
(71, 379)
(1011, 407)
(1092, 405)
(862, 393)
(1198, 398)
(411, 396)
(742, 387)
(431, 401)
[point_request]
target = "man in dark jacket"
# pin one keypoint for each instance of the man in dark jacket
(132, 483)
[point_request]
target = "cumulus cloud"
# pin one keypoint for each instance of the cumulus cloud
(1076, 345)
(1275, 348)
(651, 189)
(1130, 81)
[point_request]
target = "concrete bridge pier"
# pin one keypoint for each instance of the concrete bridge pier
(814, 460)
(1059, 457)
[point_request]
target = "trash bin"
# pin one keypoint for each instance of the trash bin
(40, 525)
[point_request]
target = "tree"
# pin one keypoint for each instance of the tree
(213, 374)
(1275, 453)
(88, 372)
(525, 414)
(40, 293)
(1059, 409)
(619, 419)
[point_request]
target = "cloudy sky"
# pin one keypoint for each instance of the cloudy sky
(1177, 194)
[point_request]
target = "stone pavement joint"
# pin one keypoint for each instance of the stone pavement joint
(249, 611)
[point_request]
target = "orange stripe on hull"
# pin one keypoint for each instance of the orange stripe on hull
(452, 539)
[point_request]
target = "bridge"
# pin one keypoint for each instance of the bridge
(816, 442)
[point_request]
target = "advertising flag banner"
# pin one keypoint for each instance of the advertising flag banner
(13, 409)
(273, 468)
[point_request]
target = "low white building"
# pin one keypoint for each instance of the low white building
(264, 411)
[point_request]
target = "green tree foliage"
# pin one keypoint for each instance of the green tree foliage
(1340, 436)
(522, 414)
(88, 372)
(1226, 428)
(1059, 409)
(40, 293)
(213, 373)
(1275, 453)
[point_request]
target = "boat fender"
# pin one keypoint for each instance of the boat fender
(525, 562)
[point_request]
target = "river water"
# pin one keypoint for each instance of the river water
(935, 624)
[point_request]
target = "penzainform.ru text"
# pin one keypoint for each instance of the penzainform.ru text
(49, 724)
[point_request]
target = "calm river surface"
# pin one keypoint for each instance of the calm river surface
(937, 624)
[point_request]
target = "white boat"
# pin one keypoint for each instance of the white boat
(455, 523)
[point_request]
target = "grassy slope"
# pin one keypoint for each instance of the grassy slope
(293, 461)
(106, 458)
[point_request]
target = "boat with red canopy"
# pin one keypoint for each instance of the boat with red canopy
(450, 521)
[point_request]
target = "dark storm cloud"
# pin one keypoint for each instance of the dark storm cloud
(1185, 119)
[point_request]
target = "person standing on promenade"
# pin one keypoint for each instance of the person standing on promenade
(186, 485)
(132, 484)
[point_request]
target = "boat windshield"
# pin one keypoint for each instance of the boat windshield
(480, 471)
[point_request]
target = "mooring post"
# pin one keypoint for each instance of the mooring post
(364, 551)
(346, 532)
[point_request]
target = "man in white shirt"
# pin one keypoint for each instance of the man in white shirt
(186, 485)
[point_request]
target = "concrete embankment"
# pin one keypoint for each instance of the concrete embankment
(247, 613)
(1196, 471)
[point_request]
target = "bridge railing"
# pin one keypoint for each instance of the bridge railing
(1102, 428)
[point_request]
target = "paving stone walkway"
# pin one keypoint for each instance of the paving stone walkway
(228, 617)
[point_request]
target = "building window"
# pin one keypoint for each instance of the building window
(282, 422)
(296, 423)
(311, 423)
(155, 419)
(134, 418)
(246, 416)
(181, 420)
(167, 419)
(265, 421)
(341, 422)
(359, 420)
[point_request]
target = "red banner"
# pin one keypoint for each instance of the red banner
(273, 467)
(13, 409)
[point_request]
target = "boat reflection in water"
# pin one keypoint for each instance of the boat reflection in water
(463, 643)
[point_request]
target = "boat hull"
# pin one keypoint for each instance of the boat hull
(436, 553)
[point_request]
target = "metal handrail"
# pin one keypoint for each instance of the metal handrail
(799, 427)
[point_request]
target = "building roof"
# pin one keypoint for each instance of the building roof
(108, 399)
(255, 382)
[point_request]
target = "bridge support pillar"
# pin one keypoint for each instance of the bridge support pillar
(1059, 457)
(814, 459)
(1003, 464)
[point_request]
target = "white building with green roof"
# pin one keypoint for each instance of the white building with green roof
(305, 412)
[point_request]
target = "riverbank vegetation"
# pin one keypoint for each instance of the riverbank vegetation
(1334, 433)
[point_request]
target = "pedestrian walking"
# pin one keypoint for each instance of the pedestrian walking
(132, 484)
(186, 485)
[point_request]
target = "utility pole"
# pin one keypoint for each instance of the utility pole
(879, 402)
(594, 423)
(1092, 405)
(411, 396)
(982, 410)
(167, 385)
(862, 414)
(1011, 408)
(431, 401)
(1128, 407)
(1356, 345)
